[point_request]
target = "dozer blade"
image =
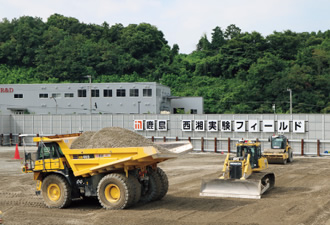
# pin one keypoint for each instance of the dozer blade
(253, 187)
(231, 188)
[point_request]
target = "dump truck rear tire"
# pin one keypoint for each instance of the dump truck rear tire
(164, 183)
(135, 188)
(114, 191)
(153, 188)
(56, 191)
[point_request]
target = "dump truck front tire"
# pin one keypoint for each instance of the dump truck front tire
(56, 191)
(114, 191)
(164, 183)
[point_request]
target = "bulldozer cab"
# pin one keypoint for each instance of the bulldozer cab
(278, 142)
(254, 151)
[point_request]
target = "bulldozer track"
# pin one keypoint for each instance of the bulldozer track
(259, 175)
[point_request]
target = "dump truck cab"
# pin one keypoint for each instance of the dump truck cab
(49, 156)
(49, 150)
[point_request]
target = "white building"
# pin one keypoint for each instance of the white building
(85, 98)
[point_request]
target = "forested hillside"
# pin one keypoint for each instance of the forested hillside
(235, 71)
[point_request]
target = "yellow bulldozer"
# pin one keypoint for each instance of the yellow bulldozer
(118, 177)
(241, 175)
(280, 151)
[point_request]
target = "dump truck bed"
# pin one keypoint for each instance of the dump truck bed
(91, 161)
(88, 162)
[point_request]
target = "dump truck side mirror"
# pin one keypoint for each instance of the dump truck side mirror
(28, 156)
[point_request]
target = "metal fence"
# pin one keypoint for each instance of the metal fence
(315, 140)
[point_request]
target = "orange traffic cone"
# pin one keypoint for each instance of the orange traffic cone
(17, 153)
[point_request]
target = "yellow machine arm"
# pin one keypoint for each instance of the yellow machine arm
(247, 170)
(246, 167)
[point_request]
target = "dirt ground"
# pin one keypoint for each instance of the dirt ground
(301, 196)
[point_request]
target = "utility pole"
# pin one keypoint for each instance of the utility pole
(289, 89)
(90, 93)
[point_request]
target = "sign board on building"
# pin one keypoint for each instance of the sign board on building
(138, 124)
(199, 125)
(239, 126)
(150, 125)
(254, 126)
(6, 90)
(212, 125)
(298, 126)
(162, 125)
(226, 125)
(186, 125)
(268, 126)
(283, 126)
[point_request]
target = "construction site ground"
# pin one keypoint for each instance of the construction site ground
(301, 196)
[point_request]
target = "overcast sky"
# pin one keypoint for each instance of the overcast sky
(183, 22)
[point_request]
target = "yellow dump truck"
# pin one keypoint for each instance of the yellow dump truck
(118, 177)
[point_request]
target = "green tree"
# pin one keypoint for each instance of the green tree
(218, 39)
(18, 47)
(203, 44)
(232, 31)
(285, 44)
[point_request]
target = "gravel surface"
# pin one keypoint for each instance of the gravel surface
(300, 197)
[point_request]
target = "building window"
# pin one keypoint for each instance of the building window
(96, 93)
(121, 92)
(82, 93)
(147, 92)
(43, 95)
(19, 112)
(107, 93)
(193, 111)
(178, 111)
(18, 95)
(134, 92)
(56, 95)
(68, 95)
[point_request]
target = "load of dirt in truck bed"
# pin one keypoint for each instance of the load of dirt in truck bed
(83, 140)
(113, 137)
